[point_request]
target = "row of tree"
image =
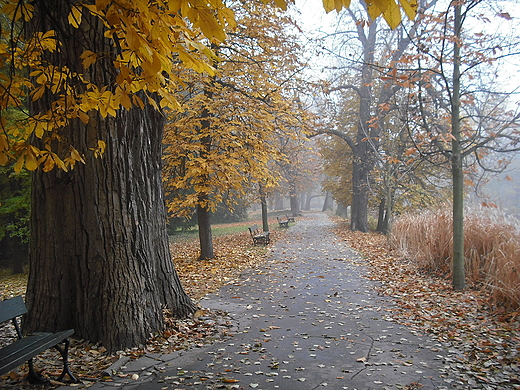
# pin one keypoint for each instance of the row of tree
(94, 83)
(418, 109)
(107, 89)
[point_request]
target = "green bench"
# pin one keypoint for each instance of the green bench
(25, 348)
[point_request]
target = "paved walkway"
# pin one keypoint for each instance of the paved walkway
(307, 319)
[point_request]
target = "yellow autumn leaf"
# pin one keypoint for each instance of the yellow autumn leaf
(210, 27)
(39, 129)
(27, 11)
(38, 92)
(4, 145)
(59, 162)
(125, 100)
(337, 5)
(76, 156)
(152, 102)
(229, 17)
(47, 40)
(88, 58)
(31, 162)
(153, 67)
(19, 163)
(409, 7)
(100, 149)
(74, 17)
(281, 3)
(48, 164)
(138, 101)
(329, 5)
(190, 61)
(83, 116)
(102, 4)
(375, 8)
(15, 10)
(392, 14)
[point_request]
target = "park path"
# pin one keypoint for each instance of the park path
(305, 319)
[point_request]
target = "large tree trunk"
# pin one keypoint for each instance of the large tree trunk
(99, 255)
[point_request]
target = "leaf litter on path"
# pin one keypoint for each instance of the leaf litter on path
(234, 254)
(488, 338)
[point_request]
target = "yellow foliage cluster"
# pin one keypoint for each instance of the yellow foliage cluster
(150, 40)
(226, 138)
(389, 9)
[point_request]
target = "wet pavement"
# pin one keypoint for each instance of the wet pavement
(305, 319)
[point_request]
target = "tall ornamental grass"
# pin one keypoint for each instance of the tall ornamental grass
(491, 248)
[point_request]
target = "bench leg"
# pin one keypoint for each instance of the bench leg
(34, 378)
(65, 355)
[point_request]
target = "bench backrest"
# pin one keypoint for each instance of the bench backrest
(253, 229)
(11, 308)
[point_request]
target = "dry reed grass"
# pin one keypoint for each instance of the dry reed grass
(491, 248)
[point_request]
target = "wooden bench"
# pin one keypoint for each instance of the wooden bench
(25, 348)
(258, 236)
(290, 219)
(283, 222)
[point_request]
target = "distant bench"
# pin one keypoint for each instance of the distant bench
(282, 222)
(290, 219)
(25, 348)
(258, 236)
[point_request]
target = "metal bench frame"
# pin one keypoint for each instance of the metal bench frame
(26, 348)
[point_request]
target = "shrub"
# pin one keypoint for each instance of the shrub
(491, 248)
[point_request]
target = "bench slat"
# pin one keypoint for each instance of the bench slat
(24, 349)
(10, 308)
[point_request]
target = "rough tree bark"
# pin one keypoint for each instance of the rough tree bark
(99, 255)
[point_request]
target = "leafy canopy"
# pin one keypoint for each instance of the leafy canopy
(149, 39)
(226, 137)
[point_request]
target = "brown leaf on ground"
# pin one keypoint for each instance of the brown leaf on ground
(234, 253)
(488, 338)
